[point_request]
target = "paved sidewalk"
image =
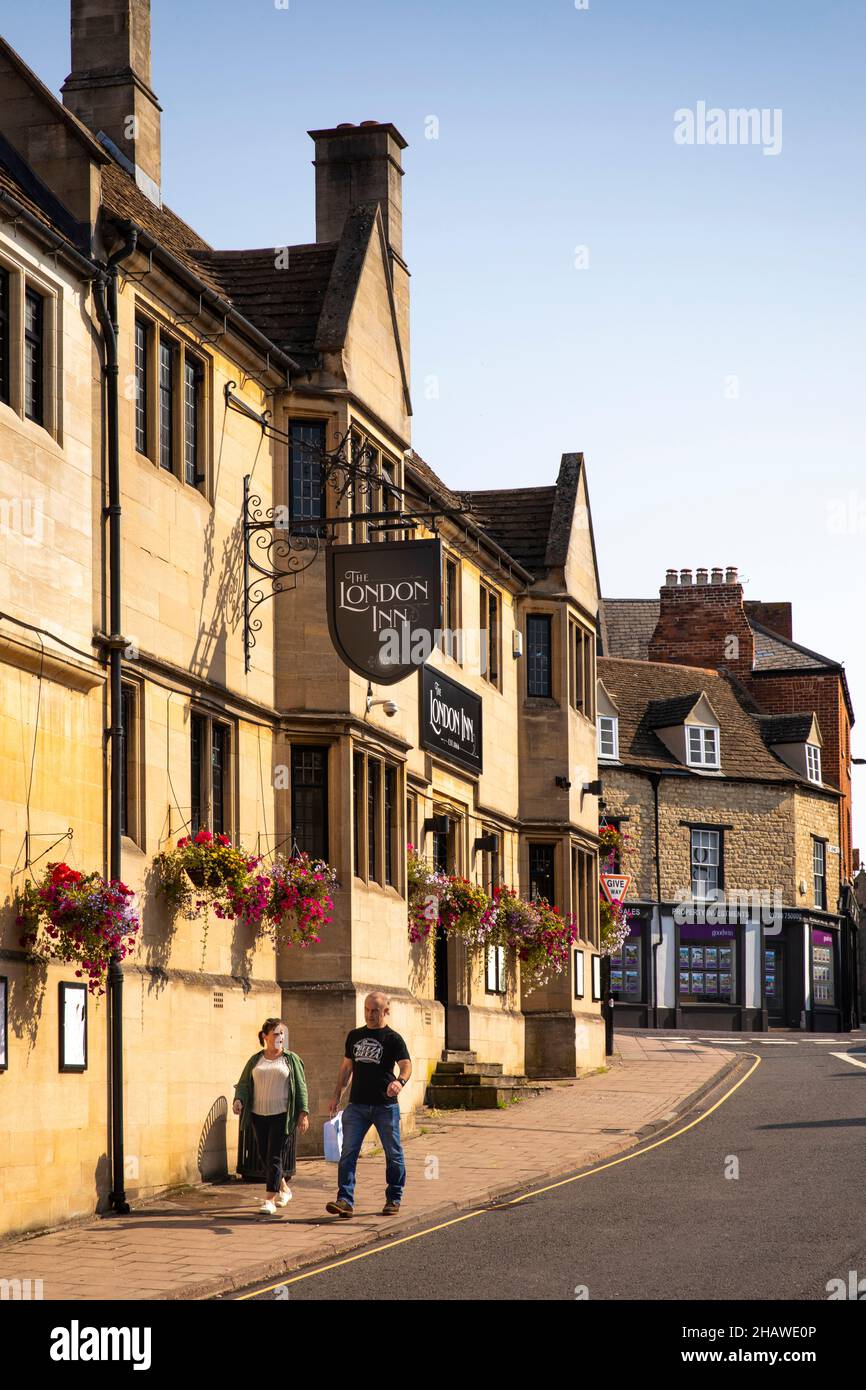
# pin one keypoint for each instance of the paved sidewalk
(211, 1239)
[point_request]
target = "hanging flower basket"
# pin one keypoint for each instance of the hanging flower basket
(539, 934)
(80, 919)
(612, 919)
(426, 889)
(205, 870)
(299, 900)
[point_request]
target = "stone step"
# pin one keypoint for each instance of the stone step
(470, 1078)
(452, 1056)
(469, 1068)
(478, 1097)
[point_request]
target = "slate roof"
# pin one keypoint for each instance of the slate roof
(284, 303)
(519, 519)
(122, 197)
(631, 622)
(663, 714)
(640, 688)
(786, 728)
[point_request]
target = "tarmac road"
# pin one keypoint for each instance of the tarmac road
(761, 1199)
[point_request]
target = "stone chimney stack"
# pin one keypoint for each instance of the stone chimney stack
(703, 623)
(361, 164)
(109, 85)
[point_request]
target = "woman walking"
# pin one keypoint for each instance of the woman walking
(272, 1097)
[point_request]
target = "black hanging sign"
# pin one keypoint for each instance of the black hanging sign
(450, 719)
(385, 606)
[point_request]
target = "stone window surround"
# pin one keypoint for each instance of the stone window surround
(209, 716)
(361, 758)
(582, 692)
(23, 277)
(159, 327)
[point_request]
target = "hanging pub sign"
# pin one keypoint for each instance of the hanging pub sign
(384, 606)
(450, 722)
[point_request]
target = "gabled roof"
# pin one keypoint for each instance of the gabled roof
(775, 653)
(786, 728)
(644, 691)
(519, 518)
(284, 302)
(58, 110)
(664, 714)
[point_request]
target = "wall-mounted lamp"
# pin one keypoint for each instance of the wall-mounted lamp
(563, 782)
(592, 788)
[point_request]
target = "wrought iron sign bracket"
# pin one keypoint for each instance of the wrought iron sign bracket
(276, 548)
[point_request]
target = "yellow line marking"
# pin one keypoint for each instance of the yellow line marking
(536, 1192)
(513, 1202)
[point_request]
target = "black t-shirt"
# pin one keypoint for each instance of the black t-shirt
(373, 1052)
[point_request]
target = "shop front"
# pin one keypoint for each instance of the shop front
(716, 977)
(804, 981)
(631, 974)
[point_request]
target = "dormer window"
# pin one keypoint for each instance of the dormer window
(608, 736)
(813, 763)
(703, 746)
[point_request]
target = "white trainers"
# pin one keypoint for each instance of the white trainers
(268, 1209)
(284, 1198)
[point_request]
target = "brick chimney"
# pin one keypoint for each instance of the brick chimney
(703, 622)
(361, 164)
(109, 85)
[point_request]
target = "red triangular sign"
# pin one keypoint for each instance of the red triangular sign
(615, 887)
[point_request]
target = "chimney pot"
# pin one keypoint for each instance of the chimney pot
(671, 577)
(731, 575)
(701, 576)
(685, 578)
(717, 576)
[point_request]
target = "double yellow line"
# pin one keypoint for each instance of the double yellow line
(512, 1202)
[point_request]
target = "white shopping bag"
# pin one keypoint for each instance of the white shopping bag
(334, 1138)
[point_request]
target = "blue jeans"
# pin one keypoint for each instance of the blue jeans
(357, 1120)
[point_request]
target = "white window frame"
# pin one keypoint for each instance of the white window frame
(709, 843)
(703, 759)
(613, 721)
(813, 763)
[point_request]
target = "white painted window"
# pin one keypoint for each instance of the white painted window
(608, 736)
(813, 762)
(703, 746)
(706, 860)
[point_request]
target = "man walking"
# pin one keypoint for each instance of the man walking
(371, 1053)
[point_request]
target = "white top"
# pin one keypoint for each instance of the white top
(271, 1086)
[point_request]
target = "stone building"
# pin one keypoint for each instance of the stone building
(734, 819)
(235, 366)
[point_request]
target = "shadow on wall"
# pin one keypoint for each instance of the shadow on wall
(26, 997)
(212, 1151)
(158, 929)
(243, 949)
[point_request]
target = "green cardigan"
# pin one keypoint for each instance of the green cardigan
(298, 1099)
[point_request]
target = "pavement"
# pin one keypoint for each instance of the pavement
(211, 1240)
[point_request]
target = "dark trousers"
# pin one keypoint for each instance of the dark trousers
(277, 1148)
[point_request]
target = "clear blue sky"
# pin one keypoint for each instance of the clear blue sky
(705, 262)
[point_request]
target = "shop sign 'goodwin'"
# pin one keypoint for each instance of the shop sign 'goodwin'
(384, 606)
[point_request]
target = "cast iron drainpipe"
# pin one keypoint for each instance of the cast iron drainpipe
(106, 307)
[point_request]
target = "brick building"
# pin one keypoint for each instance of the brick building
(767, 798)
